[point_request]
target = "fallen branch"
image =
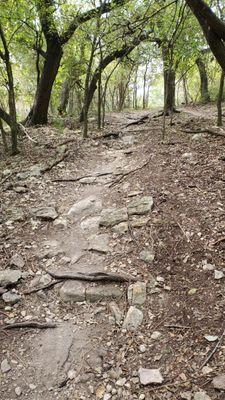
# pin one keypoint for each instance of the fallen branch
(92, 277)
(56, 162)
(29, 324)
(47, 286)
(141, 120)
(128, 173)
(211, 354)
(107, 135)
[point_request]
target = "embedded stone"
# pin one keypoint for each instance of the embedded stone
(140, 206)
(45, 213)
(9, 277)
(112, 216)
(98, 293)
(133, 319)
(150, 376)
(73, 291)
(137, 293)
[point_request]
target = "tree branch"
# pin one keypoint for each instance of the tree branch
(87, 16)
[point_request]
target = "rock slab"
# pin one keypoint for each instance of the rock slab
(219, 382)
(141, 206)
(133, 319)
(111, 217)
(137, 293)
(45, 213)
(150, 376)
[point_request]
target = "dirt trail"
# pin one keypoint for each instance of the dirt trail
(168, 249)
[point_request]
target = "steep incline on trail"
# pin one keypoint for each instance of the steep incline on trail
(118, 251)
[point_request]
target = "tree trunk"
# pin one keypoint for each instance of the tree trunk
(144, 87)
(169, 83)
(169, 91)
(185, 90)
(135, 97)
(64, 97)
(39, 112)
(205, 96)
(220, 99)
(4, 140)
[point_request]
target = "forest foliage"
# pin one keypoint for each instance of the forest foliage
(73, 58)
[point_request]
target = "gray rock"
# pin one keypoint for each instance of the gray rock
(150, 376)
(11, 298)
(17, 215)
(117, 314)
(219, 382)
(141, 206)
(120, 228)
(5, 367)
(45, 213)
(20, 189)
(60, 223)
(186, 395)
(112, 216)
(137, 293)
(73, 291)
(18, 391)
(139, 222)
(34, 171)
(128, 140)
(156, 335)
(9, 277)
(147, 256)
(218, 274)
(41, 280)
(133, 319)
(201, 396)
(17, 261)
(121, 382)
(99, 243)
(106, 292)
(91, 203)
(198, 136)
(90, 224)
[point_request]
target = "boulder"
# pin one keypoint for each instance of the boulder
(11, 298)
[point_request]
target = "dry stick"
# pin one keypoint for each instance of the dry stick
(49, 285)
(128, 173)
(93, 277)
(138, 121)
(208, 358)
(29, 324)
(172, 326)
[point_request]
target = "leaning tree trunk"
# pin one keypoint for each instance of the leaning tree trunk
(220, 99)
(39, 112)
(205, 96)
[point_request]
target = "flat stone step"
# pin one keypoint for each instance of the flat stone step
(76, 291)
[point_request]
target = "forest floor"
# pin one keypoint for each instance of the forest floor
(175, 251)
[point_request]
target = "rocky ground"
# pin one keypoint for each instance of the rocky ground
(113, 262)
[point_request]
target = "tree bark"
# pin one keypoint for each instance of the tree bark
(39, 115)
(220, 99)
(205, 96)
(213, 28)
(64, 97)
(55, 42)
